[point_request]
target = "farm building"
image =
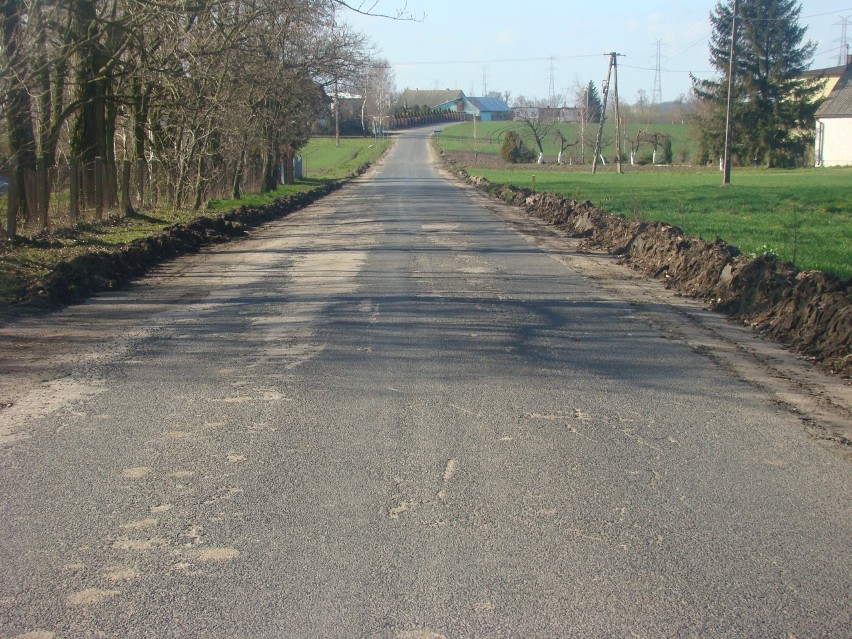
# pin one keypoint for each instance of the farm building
(411, 98)
(484, 109)
(834, 124)
(831, 76)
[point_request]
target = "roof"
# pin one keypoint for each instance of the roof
(494, 105)
(839, 101)
(827, 72)
(418, 97)
(830, 77)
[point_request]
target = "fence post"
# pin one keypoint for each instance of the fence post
(74, 199)
(125, 187)
(99, 188)
(12, 199)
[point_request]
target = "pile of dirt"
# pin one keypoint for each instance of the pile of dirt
(77, 279)
(810, 311)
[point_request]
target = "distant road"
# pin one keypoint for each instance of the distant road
(401, 414)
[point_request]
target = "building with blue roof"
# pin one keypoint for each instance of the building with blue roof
(484, 109)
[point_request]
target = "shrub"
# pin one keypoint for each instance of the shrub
(668, 154)
(645, 157)
(514, 150)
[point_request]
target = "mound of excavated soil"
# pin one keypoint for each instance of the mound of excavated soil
(810, 311)
(74, 280)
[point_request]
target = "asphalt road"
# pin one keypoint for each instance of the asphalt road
(392, 415)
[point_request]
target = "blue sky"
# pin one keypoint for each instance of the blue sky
(512, 43)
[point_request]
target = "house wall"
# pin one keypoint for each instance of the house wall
(834, 142)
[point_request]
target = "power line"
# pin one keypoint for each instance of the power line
(664, 69)
(500, 60)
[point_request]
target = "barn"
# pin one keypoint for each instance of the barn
(484, 109)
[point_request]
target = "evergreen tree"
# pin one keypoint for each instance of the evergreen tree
(773, 107)
(593, 100)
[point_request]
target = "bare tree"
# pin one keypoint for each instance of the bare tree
(564, 142)
(642, 103)
(539, 132)
(201, 92)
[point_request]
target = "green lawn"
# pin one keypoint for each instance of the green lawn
(27, 260)
(803, 215)
(322, 158)
(489, 138)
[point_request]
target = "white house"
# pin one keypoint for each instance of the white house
(834, 124)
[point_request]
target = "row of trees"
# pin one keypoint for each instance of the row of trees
(205, 88)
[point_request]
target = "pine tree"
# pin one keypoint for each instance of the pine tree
(773, 107)
(593, 100)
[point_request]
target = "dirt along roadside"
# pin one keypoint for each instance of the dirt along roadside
(823, 401)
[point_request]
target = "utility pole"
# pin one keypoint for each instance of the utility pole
(726, 178)
(613, 67)
(617, 118)
(603, 118)
(583, 128)
(336, 114)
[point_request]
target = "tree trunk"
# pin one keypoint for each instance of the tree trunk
(271, 165)
(289, 173)
(19, 121)
(90, 130)
(239, 175)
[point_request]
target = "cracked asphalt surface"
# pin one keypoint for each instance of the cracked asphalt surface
(397, 414)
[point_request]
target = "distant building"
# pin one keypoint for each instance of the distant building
(530, 113)
(553, 115)
(411, 98)
(834, 124)
(547, 115)
(483, 109)
(831, 75)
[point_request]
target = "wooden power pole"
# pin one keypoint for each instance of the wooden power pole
(617, 118)
(603, 117)
(726, 178)
(612, 72)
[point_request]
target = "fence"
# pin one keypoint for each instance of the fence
(422, 120)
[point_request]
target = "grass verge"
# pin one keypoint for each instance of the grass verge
(804, 215)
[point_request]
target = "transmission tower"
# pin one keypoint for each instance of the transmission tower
(551, 89)
(843, 54)
(657, 93)
(484, 81)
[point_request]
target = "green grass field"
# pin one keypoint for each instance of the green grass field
(803, 215)
(27, 260)
(489, 138)
(324, 160)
